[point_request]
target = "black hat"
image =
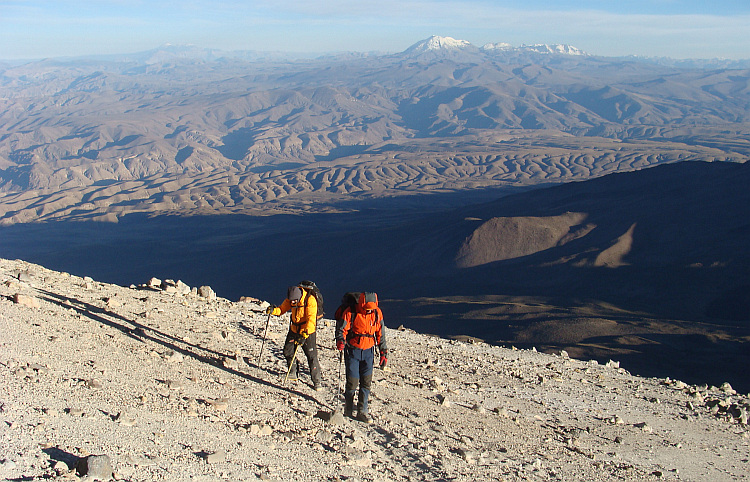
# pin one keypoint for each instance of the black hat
(294, 293)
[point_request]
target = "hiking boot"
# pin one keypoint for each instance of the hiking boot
(317, 388)
(349, 407)
(364, 417)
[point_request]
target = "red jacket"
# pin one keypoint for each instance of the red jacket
(364, 327)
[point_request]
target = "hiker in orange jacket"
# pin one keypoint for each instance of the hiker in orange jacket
(303, 320)
(357, 334)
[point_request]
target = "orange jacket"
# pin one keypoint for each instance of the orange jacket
(303, 319)
(364, 328)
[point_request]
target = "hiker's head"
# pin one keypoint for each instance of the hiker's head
(368, 301)
(294, 294)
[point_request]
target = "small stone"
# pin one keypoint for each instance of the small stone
(618, 440)
(173, 356)
(206, 292)
(125, 420)
(644, 426)
(336, 418)
(75, 412)
(727, 388)
(60, 467)
(174, 384)
(502, 412)
(25, 300)
(468, 455)
(324, 436)
(94, 384)
(51, 412)
(95, 467)
(216, 457)
(220, 404)
(182, 288)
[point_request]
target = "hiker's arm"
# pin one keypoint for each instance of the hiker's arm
(342, 327)
(280, 310)
(382, 344)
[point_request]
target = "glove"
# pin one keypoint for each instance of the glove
(300, 339)
(340, 345)
(269, 310)
(383, 358)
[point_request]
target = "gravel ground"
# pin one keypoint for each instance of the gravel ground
(161, 382)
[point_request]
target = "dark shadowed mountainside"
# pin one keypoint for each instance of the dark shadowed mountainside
(648, 267)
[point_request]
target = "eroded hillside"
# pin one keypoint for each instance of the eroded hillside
(100, 139)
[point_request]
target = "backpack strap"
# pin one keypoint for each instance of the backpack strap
(351, 335)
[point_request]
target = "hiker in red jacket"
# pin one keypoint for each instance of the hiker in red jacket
(357, 334)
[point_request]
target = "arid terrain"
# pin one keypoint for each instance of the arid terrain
(186, 131)
(161, 381)
(521, 197)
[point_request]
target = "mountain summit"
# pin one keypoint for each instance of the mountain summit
(439, 43)
(450, 45)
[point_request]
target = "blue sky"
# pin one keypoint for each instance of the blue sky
(31, 29)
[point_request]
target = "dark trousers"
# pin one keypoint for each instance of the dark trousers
(310, 347)
(359, 365)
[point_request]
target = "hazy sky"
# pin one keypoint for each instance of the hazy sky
(674, 28)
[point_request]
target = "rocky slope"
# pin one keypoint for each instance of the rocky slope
(166, 383)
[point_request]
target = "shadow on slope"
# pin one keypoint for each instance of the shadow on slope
(671, 303)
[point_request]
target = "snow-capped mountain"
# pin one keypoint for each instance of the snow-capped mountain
(439, 43)
(552, 49)
(562, 49)
(497, 46)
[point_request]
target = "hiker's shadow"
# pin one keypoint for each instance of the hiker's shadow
(142, 333)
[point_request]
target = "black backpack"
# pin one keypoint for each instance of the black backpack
(312, 288)
(349, 300)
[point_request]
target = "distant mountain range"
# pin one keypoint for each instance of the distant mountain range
(171, 52)
(194, 131)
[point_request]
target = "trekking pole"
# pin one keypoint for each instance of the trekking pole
(291, 364)
(341, 357)
(264, 339)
